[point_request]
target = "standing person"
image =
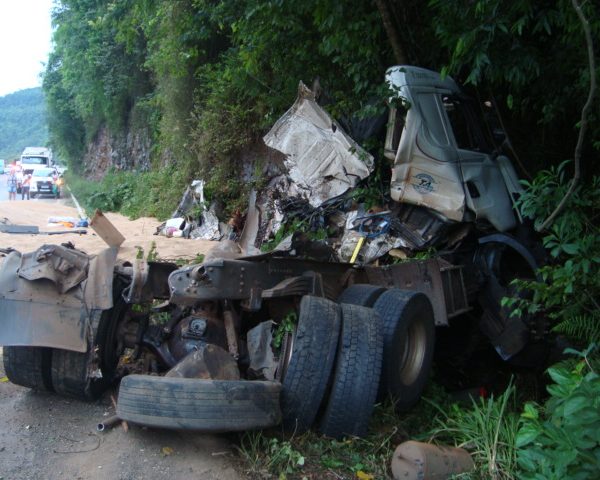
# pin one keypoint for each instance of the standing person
(12, 186)
(19, 175)
(25, 187)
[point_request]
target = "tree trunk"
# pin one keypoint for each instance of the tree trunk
(392, 32)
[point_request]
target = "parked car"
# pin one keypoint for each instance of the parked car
(45, 181)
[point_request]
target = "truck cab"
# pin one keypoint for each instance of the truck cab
(446, 168)
(35, 158)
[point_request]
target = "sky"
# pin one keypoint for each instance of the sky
(25, 42)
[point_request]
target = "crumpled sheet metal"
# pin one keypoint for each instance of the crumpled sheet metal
(63, 266)
(271, 216)
(248, 237)
(209, 362)
(98, 288)
(262, 360)
(209, 228)
(323, 161)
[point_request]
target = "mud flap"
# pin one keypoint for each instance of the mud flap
(502, 258)
(50, 305)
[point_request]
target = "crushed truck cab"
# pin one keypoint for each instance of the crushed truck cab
(446, 169)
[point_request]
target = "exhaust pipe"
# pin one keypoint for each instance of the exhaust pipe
(108, 423)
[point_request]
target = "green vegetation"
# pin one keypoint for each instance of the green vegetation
(312, 456)
(561, 439)
(556, 440)
(506, 440)
(22, 122)
(568, 289)
(154, 193)
(488, 430)
(205, 80)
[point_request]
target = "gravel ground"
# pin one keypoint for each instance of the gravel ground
(44, 436)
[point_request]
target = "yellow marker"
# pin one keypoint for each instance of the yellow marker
(364, 476)
(4, 379)
(361, 240)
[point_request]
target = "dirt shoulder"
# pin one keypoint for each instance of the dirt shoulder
(50, 437)
(137, 233)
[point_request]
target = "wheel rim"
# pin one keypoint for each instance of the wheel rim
(414, 346)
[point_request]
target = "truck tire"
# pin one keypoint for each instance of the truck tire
(311, 362)
(408, 344)
(361, 294)
(28, 367)
(72, 373)
(356, 374)
(194, 404)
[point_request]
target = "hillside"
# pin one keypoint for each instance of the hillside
(22, 121)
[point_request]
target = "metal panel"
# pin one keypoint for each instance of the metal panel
(35, 313)
(42, 325)
(417, 275)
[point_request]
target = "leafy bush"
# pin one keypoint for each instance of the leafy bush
(562, 439)
(569, 286)
(151, 194)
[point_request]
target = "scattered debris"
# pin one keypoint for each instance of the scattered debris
(19, 229)
(191, 218)
(68, 222)
(34, 230)
(175, 227)
(106, 230)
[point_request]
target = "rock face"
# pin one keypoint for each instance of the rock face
(123, 151)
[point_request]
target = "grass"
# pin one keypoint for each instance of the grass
(487, 429)
(309, 456)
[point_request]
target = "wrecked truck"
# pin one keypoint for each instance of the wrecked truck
(253, 341)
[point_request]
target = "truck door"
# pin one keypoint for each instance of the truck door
(485, 189)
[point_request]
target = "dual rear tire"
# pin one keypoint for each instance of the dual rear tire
(382, 341)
